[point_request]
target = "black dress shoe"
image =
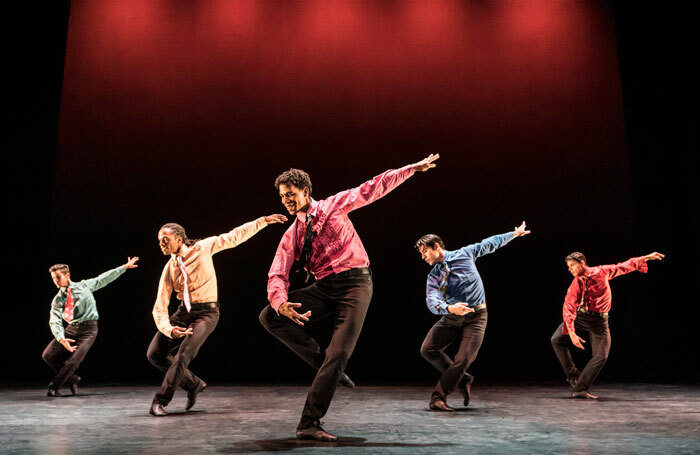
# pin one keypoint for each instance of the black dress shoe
(584, 395)
(157, 409)
(345, 381)
(53, 393)
(316, 433)
(73, 385)
(465, 388)
(440, 405)
(192, 394)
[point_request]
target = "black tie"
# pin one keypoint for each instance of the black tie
(305, 256)
(299, 276)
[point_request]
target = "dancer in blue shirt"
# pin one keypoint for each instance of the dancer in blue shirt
(455, 290)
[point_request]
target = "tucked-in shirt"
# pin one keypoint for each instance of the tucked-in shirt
(463, 282)
(84, 305)
(199, 266)
(336, 246)
(592, 289)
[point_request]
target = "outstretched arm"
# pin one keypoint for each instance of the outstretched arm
(241, 233)
(638, 264)
(491, 244)
(379, 186)
(105, 278)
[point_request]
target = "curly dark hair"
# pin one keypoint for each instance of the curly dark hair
(180, 232)
(295, 177)
(63, 268)
(576, 256)
(429, 241)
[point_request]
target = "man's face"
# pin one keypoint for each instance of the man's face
(576, 268)
(60, 279)
(432, 255)
(294, 199)
(169, 242)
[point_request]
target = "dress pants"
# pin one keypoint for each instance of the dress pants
(65, 363)
(599, 333)
(173, 355)
(346, 297)
(469, 331)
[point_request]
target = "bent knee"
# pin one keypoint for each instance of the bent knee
(599, 359)
(428, 352)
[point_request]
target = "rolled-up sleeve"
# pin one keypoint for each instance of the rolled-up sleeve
(160, 308)
(56, 319)
(573, 297)
(433, 297)
(278, 276)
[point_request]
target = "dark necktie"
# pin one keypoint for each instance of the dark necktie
(443, 282)
(305, 256)
(68, 309)
(582, 305)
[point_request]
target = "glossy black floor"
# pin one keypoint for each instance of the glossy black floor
(509, 419)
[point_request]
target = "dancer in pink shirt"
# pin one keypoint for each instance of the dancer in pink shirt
(322, 242)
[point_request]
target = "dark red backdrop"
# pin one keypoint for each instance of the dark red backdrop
(186, 111)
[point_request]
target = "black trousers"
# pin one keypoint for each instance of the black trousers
(172, 356)
(599, 334)
(469, 331)
(346, 298)
(65, 363)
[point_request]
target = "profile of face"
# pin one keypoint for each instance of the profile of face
(169, 242)
(432, 254)
(60, 279)
(576, 268)
(294, 199)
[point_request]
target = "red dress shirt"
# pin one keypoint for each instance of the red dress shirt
(595, 289)
(336, 246)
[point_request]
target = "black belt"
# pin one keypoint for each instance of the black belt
(350, 272)
(84, 322)
(602, 315)
(201, 305)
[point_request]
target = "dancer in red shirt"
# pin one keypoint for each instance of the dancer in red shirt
(586, 308)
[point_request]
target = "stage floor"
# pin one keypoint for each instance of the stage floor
(509, 419)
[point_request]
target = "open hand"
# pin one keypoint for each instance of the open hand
(288, 309)
(576, 340)
(460, 309)
(520, 230)
(131, 263)
(654, 256)
(276, 218)
(66, 342)
(426, 163)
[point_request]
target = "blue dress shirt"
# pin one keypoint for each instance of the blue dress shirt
(456, 279)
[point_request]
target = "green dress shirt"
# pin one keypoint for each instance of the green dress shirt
(84, 305)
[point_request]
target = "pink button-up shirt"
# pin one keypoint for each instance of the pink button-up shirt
(594, 289)
(336, 246)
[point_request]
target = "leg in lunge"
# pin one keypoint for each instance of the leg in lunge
(454, 290)
(586, 309)
(190, 274)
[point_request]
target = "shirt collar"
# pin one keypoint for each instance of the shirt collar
(313, 208)
(183, 252)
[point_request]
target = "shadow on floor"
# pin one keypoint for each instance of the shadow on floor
(279, 445)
